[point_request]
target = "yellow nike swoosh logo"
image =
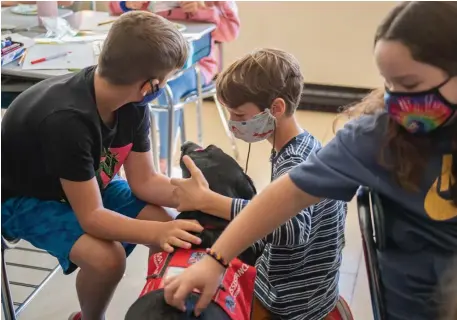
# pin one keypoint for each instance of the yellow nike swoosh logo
(436, 207)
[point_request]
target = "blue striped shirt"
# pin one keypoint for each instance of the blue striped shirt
(297, 273)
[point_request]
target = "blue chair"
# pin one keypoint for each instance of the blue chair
(371, 221)
(11, 308)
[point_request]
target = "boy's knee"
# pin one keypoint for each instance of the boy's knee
(101, 257)
(111, 259)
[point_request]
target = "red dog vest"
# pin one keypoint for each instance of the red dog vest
(237, 289)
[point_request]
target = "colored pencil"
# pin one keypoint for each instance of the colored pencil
(105, 22)
(21, 60)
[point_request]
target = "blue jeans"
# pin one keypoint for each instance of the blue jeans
(180, 87)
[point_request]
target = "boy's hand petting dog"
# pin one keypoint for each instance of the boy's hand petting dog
(192, 6)
(191, 193)
(177, 234)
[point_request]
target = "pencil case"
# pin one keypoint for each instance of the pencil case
(11, 51)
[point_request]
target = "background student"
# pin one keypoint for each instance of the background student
(15, 3)
(224, 15)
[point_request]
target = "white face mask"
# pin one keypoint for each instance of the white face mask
(259, 128)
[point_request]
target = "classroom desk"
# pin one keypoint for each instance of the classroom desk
(18, 80)
(194, 32)
(24, 21)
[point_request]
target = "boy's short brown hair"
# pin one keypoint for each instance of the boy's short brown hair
(140, 46)
(259, 78)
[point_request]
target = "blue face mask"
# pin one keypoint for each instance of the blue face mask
(153, 94)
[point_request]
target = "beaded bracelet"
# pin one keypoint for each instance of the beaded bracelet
(217, 257)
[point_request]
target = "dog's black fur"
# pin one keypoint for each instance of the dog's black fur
(226, 177)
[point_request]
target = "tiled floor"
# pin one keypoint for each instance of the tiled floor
(58, 298)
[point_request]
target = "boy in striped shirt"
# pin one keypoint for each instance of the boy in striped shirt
(297, 274)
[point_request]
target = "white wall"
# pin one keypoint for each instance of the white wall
(332, 40)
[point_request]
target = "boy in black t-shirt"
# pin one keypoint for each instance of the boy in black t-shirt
(63, 143)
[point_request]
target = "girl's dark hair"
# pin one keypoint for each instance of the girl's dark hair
(429, 30)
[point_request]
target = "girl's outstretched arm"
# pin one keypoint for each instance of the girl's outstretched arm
(279, 202)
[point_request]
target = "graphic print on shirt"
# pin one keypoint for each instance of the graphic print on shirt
(110, 163)
(437, 202)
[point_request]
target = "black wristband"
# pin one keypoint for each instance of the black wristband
(217, 257)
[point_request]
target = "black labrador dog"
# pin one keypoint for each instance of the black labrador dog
(226, 177)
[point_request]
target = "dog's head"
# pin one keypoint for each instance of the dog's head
(224, 176)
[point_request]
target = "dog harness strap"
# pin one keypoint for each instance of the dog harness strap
(234, 296)
(237, 290)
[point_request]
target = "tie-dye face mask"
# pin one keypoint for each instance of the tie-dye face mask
(420, 112)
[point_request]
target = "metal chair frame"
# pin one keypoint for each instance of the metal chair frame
(195, 97)
(11, 308)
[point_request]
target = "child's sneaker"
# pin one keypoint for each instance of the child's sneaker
(75, 316)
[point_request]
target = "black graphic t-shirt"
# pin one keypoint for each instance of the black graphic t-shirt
(53, 131)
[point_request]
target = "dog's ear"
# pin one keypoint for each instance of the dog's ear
(251, 183)
(246, 188)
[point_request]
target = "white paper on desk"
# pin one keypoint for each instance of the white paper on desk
(69, 39)
(81, 56)
(28, 42)
(160, 6)
(91, 22)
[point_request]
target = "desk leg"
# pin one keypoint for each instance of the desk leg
(199, 104)
(171, 121)
(183, 128)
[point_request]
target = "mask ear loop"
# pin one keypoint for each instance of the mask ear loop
(273, 154)
(247, 160)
